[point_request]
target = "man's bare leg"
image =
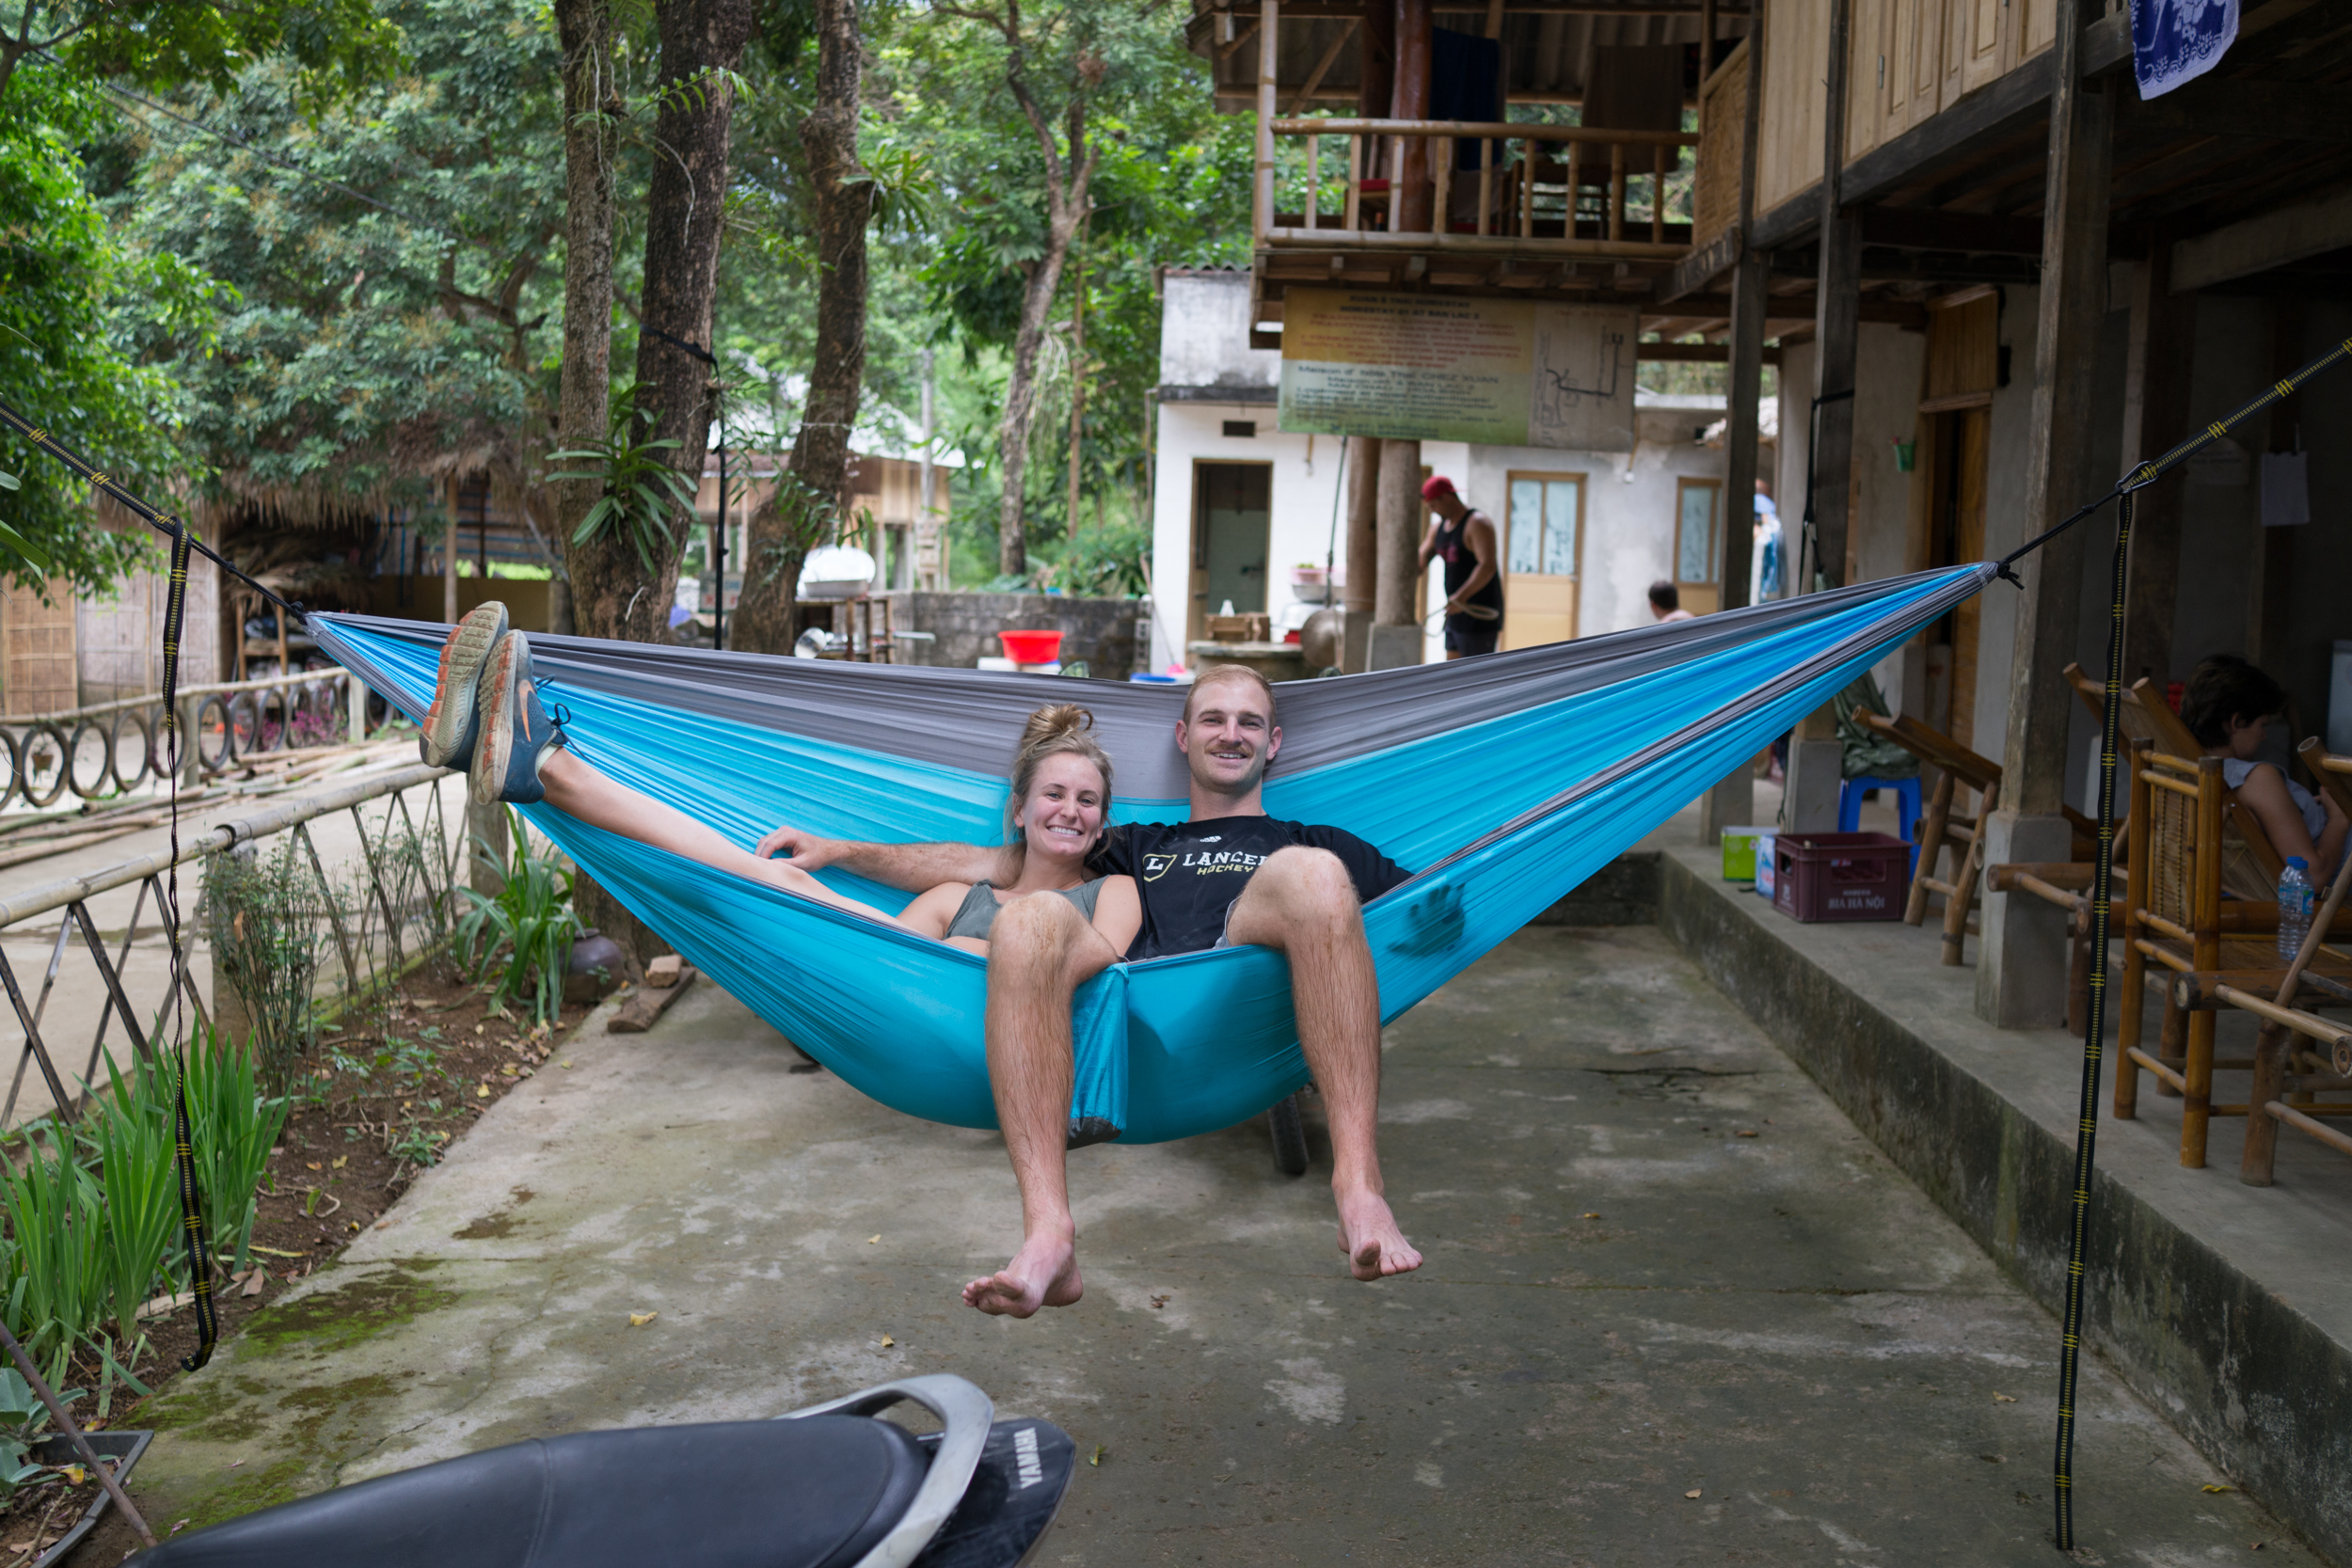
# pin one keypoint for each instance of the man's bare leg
(1302, 904)
(1040, 951)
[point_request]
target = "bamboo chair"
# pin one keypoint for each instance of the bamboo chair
(1941, 826)
(2190, 842)
(2289, 1078)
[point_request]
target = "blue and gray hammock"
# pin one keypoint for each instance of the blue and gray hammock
(1503, 781)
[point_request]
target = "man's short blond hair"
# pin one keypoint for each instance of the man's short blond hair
(1228, 674)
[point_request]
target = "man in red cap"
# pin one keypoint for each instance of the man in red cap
(1465, 539)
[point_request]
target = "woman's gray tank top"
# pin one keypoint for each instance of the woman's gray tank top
(976, 915)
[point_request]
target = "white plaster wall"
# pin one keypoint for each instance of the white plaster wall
(1887, 362)
(1305, 488)
(1204, 333)
(1628, 507)
(2005, 521)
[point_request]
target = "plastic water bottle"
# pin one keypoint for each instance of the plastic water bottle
(2295, 907)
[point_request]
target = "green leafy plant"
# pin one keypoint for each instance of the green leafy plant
(262, 915)
(56, 1296)
(22, 1418)
(642, 491)
(527, 931)
(235, 1126)
(130, 1133)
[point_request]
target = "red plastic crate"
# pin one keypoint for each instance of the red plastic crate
(1826, 876)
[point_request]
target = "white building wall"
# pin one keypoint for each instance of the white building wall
(1304, 493)
(1209, 376)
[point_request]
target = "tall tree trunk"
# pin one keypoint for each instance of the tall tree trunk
(584, 28)
(781, 530)
(1066, 208)
(613, 594)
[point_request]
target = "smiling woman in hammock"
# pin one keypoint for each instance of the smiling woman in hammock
(487, 718)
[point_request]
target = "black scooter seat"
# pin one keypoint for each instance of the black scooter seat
(816, 1492)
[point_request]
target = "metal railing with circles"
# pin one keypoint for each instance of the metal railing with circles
(112, 748)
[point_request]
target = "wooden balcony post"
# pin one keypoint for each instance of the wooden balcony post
(1616, 190)
(2021, 974)
(1314, 177)
(1441, 212)
(1658, 195)
(1486, 181)
(1576, 176)
(1269, 13)
(1409, 198)
(1352, 217)
(1527, 188)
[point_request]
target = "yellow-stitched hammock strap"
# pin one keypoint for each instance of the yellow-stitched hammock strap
(2102, 889)
(183, 544)
(183, 1133)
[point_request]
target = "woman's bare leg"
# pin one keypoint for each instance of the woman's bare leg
(577, 789)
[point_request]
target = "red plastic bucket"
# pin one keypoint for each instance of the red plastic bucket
(1031, 647)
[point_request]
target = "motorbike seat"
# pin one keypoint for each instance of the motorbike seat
(816, 1493)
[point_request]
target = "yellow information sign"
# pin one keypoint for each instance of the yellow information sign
(1427, 367)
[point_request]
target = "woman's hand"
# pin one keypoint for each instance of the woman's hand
(809, 851)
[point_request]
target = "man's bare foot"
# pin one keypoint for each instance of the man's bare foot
(1376, 1247)
(1044, 1272)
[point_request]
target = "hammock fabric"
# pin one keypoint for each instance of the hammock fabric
(1504, 781)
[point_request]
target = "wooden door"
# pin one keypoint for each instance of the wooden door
(1982, 58)
(1542, 555)
(1698, 518)
(1233, 517)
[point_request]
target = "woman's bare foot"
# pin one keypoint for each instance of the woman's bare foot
(1044, 1272)
(1376, 1247)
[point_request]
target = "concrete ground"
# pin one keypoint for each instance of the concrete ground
(1641, 1335)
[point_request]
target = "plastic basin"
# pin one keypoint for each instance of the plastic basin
(1031, 647)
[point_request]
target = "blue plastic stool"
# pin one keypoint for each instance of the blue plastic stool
(1906, 809)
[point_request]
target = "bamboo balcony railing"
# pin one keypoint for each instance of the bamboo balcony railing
(1527, 194)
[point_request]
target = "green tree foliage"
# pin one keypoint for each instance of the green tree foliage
(1171, 188)
(392, 256)
(170, 42)
(80, 306)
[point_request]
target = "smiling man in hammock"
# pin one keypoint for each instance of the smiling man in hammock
(1231, 876)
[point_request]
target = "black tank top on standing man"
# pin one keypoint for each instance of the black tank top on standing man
(1453, 550)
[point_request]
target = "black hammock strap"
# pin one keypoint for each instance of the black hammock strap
(197, 1240)
(2102, 897)
(164, 522)
(183, 543)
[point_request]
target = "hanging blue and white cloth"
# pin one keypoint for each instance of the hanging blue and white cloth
(2179, 40)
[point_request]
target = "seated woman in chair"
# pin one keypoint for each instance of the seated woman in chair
(487, 718)
(2228, 707)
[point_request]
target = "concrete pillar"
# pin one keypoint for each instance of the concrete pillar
(1363, 550)
(1815, 757)
(1731, 803)
(2021, 971)
(1396, 635)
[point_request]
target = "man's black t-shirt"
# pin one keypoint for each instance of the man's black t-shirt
(1188, 874)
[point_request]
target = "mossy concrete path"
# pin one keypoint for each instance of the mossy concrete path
(1675, 1309)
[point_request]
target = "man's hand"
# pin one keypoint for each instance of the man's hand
(809, 851)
